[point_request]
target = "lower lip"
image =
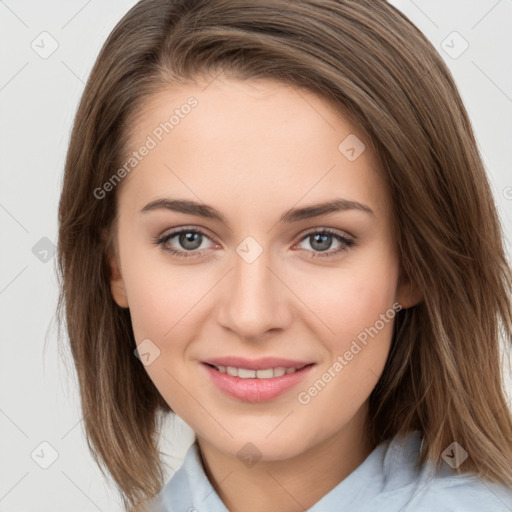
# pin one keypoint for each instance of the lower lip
(256, 390)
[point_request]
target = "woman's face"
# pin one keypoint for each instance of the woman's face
(257, 278)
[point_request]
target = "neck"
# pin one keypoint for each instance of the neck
(290, 485)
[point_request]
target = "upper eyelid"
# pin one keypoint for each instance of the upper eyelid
(173, 232)
(340, 232)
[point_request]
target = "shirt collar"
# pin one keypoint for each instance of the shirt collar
(383, 470)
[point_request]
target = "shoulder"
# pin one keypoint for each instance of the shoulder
(463, 493)
(422, 488)
(428, 488)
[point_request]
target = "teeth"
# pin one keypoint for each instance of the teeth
(264, 374)
(230, 370)
(280, 371)
(244, 373)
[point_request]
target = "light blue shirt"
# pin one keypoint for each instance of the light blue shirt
(387, 480)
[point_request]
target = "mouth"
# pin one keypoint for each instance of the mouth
(256, 385)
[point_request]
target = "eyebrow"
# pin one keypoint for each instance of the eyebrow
(290, 216)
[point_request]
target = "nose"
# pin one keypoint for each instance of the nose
(254, 299)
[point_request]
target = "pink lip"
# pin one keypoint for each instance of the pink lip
(256, 390)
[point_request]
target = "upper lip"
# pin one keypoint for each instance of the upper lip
(256, 364)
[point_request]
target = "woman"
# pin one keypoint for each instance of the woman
(275, 223)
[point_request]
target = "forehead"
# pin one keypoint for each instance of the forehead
(259, 144)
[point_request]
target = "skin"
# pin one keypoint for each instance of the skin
(254, 149)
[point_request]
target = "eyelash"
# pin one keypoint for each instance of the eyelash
(348, 242)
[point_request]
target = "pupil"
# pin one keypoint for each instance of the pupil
(187, 240)
(320, 239)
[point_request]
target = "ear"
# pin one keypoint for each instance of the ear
(408, 293)
(116, 282)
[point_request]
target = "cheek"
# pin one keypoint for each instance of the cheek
(163, 308)
(350, 298)
(366, 298)
(161, 294)
(357, 318)
(148, 302)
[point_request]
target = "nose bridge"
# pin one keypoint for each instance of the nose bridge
(254, 299)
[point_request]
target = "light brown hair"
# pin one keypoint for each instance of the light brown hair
(443, 374)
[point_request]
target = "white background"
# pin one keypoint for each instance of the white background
(38, 99)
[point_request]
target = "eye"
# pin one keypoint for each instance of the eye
(321, 241)
(189, 239)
